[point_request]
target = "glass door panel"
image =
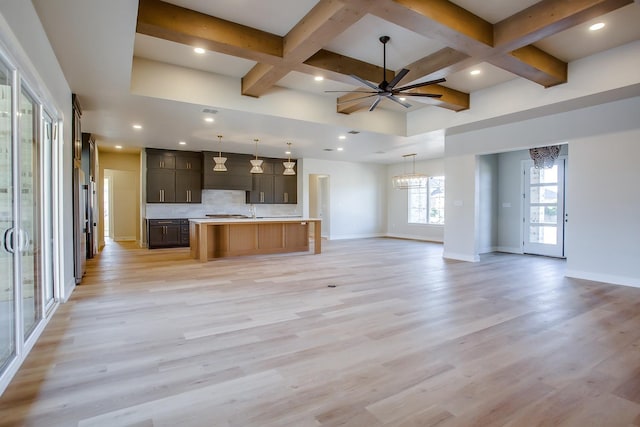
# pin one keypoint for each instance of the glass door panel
(7, 277)
(48, 134)
(544, 209)
(28, 235)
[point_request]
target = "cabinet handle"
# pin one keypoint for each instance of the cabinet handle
(188, 195)
(262, 197)
(286, 197)
(162, 195)
(161, 163)
(188, 165)
(164, 222)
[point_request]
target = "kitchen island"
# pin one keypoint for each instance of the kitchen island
(226, 237)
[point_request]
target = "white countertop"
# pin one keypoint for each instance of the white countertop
(245, 220)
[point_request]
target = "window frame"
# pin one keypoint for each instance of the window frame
(424, 218)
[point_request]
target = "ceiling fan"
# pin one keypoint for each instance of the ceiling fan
(387, 89)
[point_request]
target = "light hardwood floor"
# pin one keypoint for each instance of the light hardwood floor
(405, 338)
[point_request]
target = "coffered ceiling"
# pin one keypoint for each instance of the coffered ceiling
(261, 58)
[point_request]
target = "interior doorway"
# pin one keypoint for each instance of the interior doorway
(544, 209)
(319, 206)
(120, 206)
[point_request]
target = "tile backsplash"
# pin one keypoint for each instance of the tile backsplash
(217, 202)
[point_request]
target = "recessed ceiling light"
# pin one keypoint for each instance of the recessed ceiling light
(474, 72)
(342, 137)
(182, 143)
(199, 50)
(209, 119)
(119, 147)
(137, 126)
(318, 78)
(340, 148)
(597, 26)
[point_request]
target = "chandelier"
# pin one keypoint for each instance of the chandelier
(256, 164)
(409, 180)
(289, 165)
(219, 161)
(544, 157)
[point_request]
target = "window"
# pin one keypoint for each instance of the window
(426, 204)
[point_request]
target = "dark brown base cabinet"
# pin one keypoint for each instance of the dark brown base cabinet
(167, 233)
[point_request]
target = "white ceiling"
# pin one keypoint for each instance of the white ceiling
(95, 42)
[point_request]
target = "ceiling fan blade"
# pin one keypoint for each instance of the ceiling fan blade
(397, 78)
(399, 101)
(366, 83)
(375, 103)
(426, 95)
(413, 86)
(355, 99)
(350, 91)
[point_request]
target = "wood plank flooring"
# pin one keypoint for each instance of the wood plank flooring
(405, 338)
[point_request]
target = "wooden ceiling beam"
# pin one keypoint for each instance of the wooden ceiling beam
(167, 21)
(546, 18)
(533, 64)
(437, 65)
(440, 20)
(327, 19)
(335, 63)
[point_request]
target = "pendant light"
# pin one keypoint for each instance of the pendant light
(219, 161)
(289, 165)
(409, 180)
(256, 164)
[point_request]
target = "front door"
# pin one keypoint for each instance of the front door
(544, 209)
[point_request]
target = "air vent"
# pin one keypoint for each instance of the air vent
(379, 152)
(210, 111)
(353, 132)
(328, 149)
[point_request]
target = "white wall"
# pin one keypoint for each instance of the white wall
(397, 204)
(487, 203)
(603, 207)
(29, 45)
(357, 196)
(461, 208)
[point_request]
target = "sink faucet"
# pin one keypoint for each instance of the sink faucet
(252, 210)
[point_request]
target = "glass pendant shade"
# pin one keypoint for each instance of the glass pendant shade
(219, 160)
(256, 164)
(219, 164)
(288, 168)
(409, 180)
(289, 165)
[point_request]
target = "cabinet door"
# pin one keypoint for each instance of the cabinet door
(286, 189)
(188, 187)
(189, 161)
(160, 160)
(237, 176)
(262, 192)
(161, 186)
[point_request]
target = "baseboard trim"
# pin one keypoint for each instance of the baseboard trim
(509, 250)
(461, 257)
(412, 237)
(355, 236)
(633, 282)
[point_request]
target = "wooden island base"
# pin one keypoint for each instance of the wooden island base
(210, 239)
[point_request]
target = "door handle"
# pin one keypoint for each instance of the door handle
(7, 240)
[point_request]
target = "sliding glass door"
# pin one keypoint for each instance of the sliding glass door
(28, 142)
